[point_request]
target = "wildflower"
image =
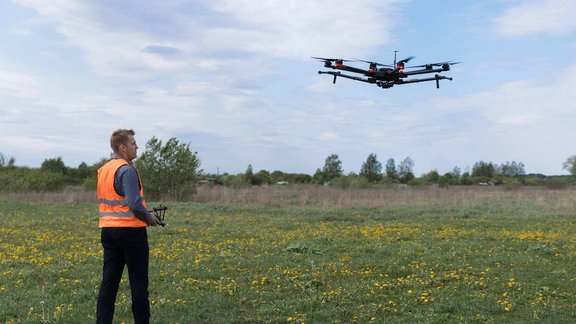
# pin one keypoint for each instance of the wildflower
(506, 305)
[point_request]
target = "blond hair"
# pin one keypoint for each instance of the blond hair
(119, 137)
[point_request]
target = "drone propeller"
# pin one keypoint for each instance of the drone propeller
(406, 60)
(326, 59)
(435, 64)
(375, 63)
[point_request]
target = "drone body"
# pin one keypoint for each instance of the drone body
(386, 76)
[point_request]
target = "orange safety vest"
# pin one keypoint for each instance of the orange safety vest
(114, 210)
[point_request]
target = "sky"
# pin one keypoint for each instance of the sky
(234, 79)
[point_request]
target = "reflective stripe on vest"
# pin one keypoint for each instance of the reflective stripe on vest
(113, 208)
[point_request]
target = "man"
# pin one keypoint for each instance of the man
(123, 220)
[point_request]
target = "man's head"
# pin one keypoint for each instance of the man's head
(123, 143)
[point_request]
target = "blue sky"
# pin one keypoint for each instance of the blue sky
(234, 79)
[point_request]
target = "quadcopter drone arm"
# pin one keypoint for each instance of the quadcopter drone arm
(436, 78)
(339, 74)
(349, 69)
(425, 71)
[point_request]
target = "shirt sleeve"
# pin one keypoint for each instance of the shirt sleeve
(128, 186)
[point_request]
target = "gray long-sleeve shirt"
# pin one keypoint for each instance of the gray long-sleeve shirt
(127, 184)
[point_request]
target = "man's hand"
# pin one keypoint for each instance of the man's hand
(157, 213)
(153, 220)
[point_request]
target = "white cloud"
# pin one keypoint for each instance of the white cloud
(300, 28)
(290, 29)
(30, 143)
(523, 102)
(118, 52)
(525, 120)
(537, 16)
(328, 136)
(18, 85)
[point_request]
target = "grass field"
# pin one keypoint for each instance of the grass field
(322, 256)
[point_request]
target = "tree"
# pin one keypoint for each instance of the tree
(430, 177)
(249, 175)
(483, 169)
(371, 169)
(256, 179)
(570, 165)
(390, 170)
(405, 170)
(318, 176)
(512, 169)
(466, 179)
(447, 180)
(169, 171)
(55, 165)
(332, 167)
(262, 177)
(278, 176)
(4, 164)
(89, 183)
(84, 171)
(456, 171)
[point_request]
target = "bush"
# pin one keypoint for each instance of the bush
(351, 182)
(89, 183)
(24, 179)
(555, 184)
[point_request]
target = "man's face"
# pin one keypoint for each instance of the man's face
(129, 150)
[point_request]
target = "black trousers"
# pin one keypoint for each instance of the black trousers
(124, 246)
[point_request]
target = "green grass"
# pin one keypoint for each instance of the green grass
(505, 258)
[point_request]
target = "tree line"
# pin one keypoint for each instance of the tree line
(172, 170)
(373, 172)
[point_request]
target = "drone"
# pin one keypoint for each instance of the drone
(386, 76)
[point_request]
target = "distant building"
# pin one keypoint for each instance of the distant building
(211, 182)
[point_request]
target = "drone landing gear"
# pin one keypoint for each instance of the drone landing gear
(440, 77)
(386, 84)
